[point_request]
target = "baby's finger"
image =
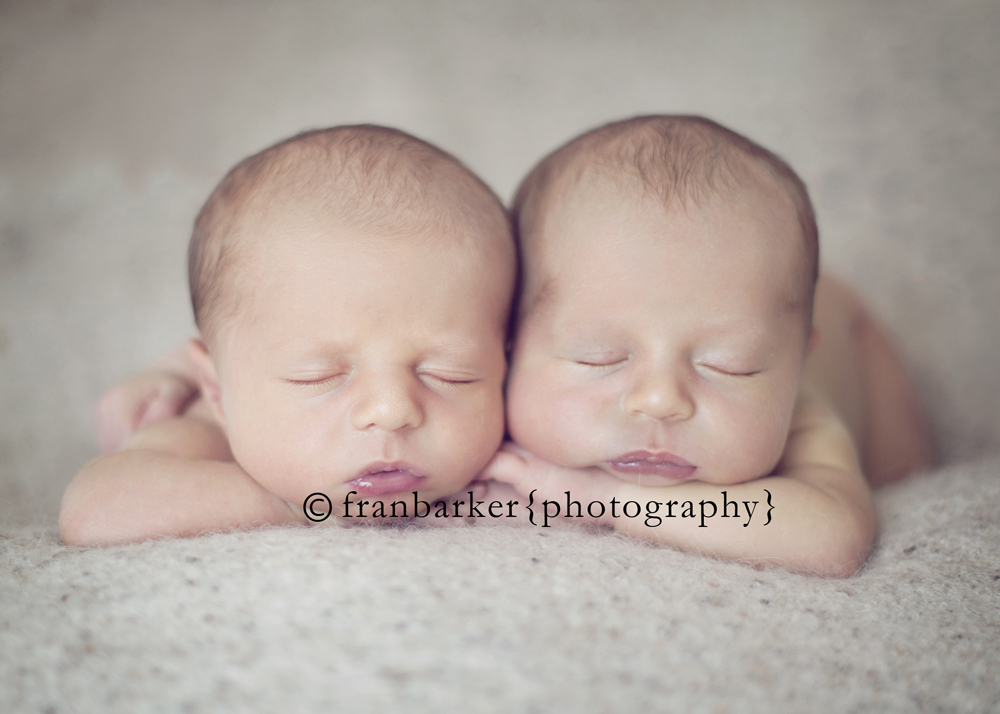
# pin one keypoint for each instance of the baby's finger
(510, 447)
(479, 489)
(112, 422)
(171, 400)
(584, 485)
(507, 468)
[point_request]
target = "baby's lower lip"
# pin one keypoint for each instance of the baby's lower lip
(666, 466)
(382, 480)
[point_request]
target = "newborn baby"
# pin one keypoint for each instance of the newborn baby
(669, 268)
(352, 289)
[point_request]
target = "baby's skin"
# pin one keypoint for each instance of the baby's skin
(660, 358)
(665, 360)
(352, 357)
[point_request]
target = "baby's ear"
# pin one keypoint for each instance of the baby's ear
(208, 378)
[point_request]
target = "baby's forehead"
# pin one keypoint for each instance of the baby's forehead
(427, 264)
(605, 215)
(624, 242)
(314, 223)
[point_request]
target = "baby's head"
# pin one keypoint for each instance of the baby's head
(668, 270)
(352, 287)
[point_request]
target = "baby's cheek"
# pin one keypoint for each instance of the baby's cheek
(559, 427)
(755, 446)
(525, 418)
(530, 408)
(281, 454)
(470, 438)
(266, 465)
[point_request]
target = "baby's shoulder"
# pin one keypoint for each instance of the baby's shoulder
(194, 436)
(814, 411)
(817, 435)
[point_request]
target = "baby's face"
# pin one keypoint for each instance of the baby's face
(362, 363)
(667, 345)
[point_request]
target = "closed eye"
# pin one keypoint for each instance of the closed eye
(454, 380)
(320, 381)
(728, 372)
(602, 363)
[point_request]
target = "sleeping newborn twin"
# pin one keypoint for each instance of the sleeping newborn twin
(353, 288)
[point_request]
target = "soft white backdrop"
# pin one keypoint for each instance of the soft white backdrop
(116, 118)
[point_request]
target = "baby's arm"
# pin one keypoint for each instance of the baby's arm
(162, 390)
(823, 520)
(175, 477)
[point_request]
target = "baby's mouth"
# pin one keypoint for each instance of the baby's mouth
(381, 477)
(653, 469)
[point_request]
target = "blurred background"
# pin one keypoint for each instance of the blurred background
(117, 118)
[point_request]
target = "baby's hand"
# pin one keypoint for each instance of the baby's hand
(511, 510)
(527, 473)
(149, 396)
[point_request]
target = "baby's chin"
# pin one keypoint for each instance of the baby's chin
(647, 480)
(346, 506)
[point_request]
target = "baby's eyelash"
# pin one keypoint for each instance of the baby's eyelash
(732, 373)
(599, 365)
(315, 382)
(451, 381)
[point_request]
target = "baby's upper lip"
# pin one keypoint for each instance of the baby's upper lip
(379, 467)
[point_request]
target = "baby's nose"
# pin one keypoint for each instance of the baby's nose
(387, 400)
(660, 394)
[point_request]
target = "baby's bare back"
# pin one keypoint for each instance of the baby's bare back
(855, 367)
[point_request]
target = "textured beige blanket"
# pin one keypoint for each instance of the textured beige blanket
(509, 619)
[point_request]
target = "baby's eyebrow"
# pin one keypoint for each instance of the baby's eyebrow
(458, 354)
(736, 334)
(459, 350)
(742, 342)
(319, 351)
(592, 335)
